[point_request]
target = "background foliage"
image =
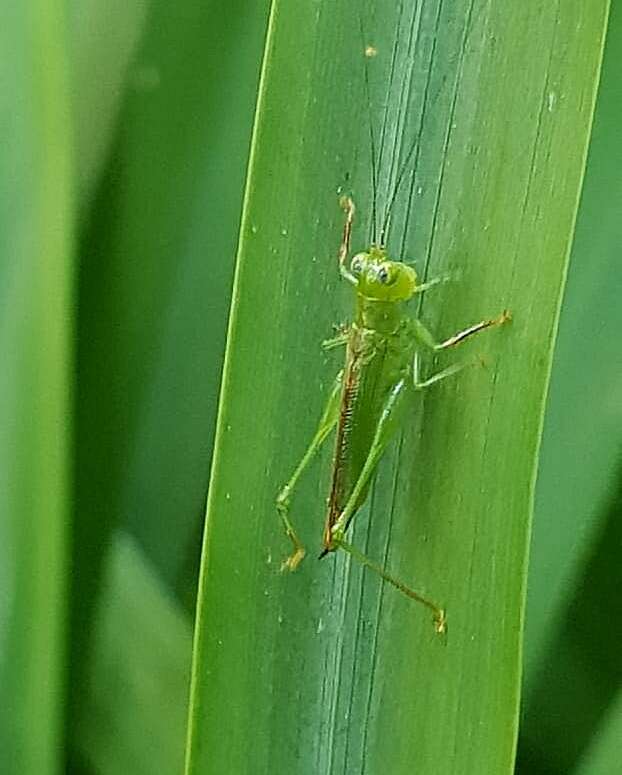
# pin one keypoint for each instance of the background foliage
(127, 130)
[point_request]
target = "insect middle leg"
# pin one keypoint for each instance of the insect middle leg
(325, 426)
(432, 380)
(425, 337)
(385, 431)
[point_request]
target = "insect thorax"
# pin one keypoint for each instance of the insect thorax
(385, 317)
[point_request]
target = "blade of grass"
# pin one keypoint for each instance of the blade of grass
(135, 707)
(580, 454)
(586, 649)
(162, 231)
(35, 383)
(104, 37)
(174, 209)
(575, 478)
(603, 755)
(326, 671)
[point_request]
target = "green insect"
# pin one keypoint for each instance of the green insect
(369, 396)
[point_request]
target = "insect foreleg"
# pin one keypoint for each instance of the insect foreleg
(347, 205)
(430, 284)
(325, 426)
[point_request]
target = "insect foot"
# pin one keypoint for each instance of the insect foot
(294, 560)
(282, 500)
(282, 507)
(440, 621)
(346, 204)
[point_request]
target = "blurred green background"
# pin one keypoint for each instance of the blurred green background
(127, 130)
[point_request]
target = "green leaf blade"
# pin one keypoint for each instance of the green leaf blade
(35, 384)
(326, 670)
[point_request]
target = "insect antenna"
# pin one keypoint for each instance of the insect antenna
(398, 183)
(372, 137)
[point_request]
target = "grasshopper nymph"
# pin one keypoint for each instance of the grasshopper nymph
(381, 370)
(368, 396)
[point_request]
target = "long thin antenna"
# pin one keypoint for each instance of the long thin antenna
(412, 42)
(398, 182)
(367, 52)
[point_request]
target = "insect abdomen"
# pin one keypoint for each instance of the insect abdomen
(361, 402)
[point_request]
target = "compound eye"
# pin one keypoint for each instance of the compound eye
(357, 264)
(385, 274)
